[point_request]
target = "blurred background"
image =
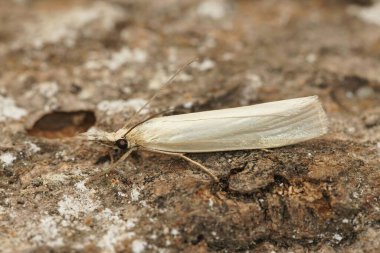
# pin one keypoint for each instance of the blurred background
(109, 57)
(66, 66)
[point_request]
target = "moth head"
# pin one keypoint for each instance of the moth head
(113, 139)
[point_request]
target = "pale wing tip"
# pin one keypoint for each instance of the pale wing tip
(309, 99)
(319, 118)
(322, 116)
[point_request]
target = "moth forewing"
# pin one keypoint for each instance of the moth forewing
(259, 126)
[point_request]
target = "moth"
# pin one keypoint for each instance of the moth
(261, 126)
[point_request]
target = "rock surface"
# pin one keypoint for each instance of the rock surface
(70, 65)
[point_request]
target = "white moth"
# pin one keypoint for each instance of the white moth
(260, 126)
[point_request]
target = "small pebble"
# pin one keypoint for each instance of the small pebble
(365, 92)
(371, 120)
(20, 201)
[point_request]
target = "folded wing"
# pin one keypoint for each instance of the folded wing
(265, 125)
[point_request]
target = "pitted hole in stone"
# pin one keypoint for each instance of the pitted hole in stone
(60, 124)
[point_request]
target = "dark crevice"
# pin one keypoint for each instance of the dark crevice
(198, 239)
(285, 215)
(273, 239)
(103, 159)
(112, 156)
(60, 124)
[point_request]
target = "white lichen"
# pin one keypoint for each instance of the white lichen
(135, 194)
(254, 80)
(73, 206)
(369, 14)
(126, 55)
(69, 25)
(111, 107)
(131, 223)
(188, 105)
(253, 83)
(159, 78)
(138, 246)
(7, 159)
(9, 110)
(32, 148)
(111, 229)
(48, 89)
(215, 9)
(122, 194)
(80, 186)
(116, 230)
(205, 65)
(47, 233)
(55, 178)
(337, 237)
(311, 58)
(174, 232)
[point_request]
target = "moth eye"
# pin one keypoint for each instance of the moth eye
(122, 143)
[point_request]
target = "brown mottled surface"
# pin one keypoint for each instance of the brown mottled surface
(62, 60)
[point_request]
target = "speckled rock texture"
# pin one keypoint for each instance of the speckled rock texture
(66, 66)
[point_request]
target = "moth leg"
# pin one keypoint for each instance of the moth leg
(180, 155)
(122, 158)
(112, 166)
(112, 159)
(266, 150)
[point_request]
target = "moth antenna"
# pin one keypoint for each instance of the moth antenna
(168, 82)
